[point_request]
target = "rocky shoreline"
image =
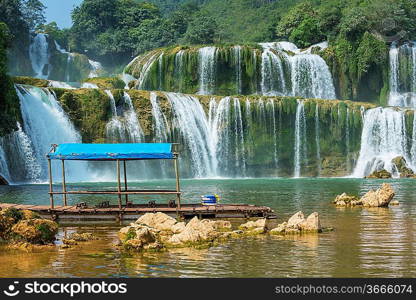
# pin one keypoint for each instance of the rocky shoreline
(381, 197)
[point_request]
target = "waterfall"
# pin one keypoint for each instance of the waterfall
(190, 120)
(39, 56)
(238, 71)
(402, 68)
(271, 108)
(309, 74)
(311, 77)
(272, 73)
(160, 124)
(179, 68)
(347, 139)
(300, 139)
(4, 168)
(207, 70)
(96, 67)
(318, 140)
(124, 126)
(45, 123)
(383, 138)
(145, 68)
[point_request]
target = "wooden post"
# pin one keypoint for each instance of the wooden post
(125, 180)
(118, 184)
(50, 183)
(178, 189)
(64, 183)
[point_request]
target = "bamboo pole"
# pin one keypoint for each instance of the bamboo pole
(64, 183)
(50, 183)
(118, 184)
(178, 189)
(125, 180)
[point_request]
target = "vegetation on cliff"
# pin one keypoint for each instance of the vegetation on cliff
(9, 103)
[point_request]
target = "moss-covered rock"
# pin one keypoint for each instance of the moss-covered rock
(382, 174)
(43, 83)
(109, 83)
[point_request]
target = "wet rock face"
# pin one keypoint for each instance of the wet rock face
(373, 198)
(3, 181)
(402, 167)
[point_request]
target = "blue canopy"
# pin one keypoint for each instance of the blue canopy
(111, 151)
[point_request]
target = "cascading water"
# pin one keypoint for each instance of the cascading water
(190, 120)
(300, 139)
(160, 124)
(207, 70)
(39, 56)
(273, 80)
(383, 138)
(45, 123)
(318, 140)
(238, 71)
(124, 126)
(96, 67)
(402, 75)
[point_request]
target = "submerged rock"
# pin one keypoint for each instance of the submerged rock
(383, 174)
(378, 198)
(83, 237)
(298, 224)
(346, 200)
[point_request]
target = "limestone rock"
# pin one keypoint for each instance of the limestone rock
(178, 227)
(280, 229)
(402, 167)
(69, 242)
(346, 200)
(378, 198)
(158, 220)
(394, 202)
(83, 237)
(222, 225)
(311, 224)
(295, 220)
(250, 225)
(196, 231)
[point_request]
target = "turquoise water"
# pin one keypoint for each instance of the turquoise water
(376, 242)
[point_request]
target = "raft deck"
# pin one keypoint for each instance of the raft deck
(133, 212)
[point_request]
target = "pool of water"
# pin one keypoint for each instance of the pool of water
(378, 242)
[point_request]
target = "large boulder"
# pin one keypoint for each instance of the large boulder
(378, 198)
(196, 231)
(311, 224)
(36, 231)
(158, 221)
(295, 220)
(255, 227)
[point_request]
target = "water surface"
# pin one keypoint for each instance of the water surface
(366, 242)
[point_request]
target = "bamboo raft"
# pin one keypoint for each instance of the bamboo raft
(133, 212)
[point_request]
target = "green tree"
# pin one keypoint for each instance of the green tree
(201, 30)
(34, 13)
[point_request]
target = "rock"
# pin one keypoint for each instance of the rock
(402, 167)
(250, 225)
(311, 224)
(280, 229)
(69, 242)
(394, 202)
(178, 227)
(83, 237)
(378, 198)
(383, 174)
(158, 220)
(295, 220)
(196, 231)
(222, 225)
(346, 200)
(3, 181)
(36, 231)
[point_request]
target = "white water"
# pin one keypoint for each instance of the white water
(96, 68)
(309, 74)
(190, 119)
(383, 138)
(207, 70)
(60, 84)
(39, 56)
(238, 71)
(318, 140)
(45, 123)
(300, 139)
(4, 167)
(160, 124)
(124, 126)
(403, 95)
(88, 85)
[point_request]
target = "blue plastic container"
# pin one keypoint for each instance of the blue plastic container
(210, 199)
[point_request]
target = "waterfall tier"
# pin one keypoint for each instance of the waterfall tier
(268, 69)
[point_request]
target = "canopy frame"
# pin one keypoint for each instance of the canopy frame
(120, 191)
